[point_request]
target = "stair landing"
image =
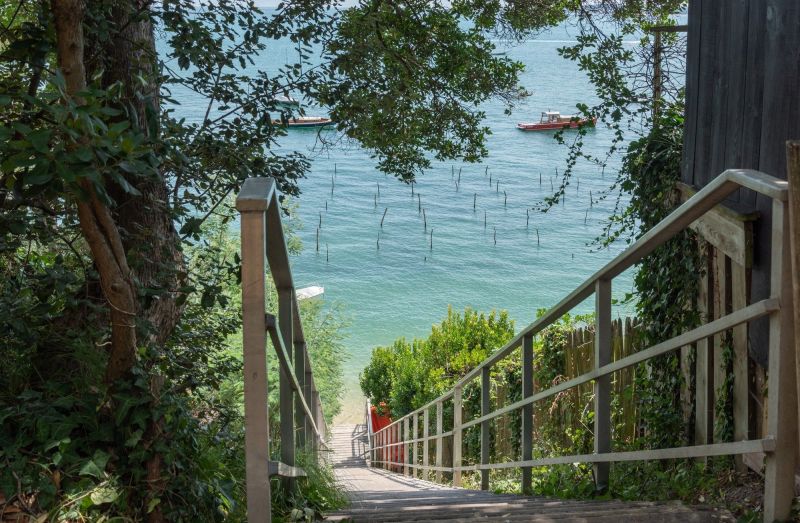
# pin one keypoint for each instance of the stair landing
(380, 496)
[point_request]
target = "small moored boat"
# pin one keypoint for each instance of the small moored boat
(554, 121)
(304, 121)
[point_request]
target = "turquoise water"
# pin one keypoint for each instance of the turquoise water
(405, 286)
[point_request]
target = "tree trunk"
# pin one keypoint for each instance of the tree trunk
(97, 226)
(150, 239)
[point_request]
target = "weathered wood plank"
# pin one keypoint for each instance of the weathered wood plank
(704, 364)
(782, 420)
(254, 344)
(439, 449)
(741, 366)
(457, 436)
(485, 426)
(602, 385)
(426, 445)
(725, 229)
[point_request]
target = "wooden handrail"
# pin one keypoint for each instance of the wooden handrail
(302, 420)
(780, 444)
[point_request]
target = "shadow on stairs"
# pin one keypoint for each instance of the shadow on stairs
(380, 496)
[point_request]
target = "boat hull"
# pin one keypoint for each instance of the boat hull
(556, 126)
(295, 123)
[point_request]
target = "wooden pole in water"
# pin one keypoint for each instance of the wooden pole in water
(551, 183)
(490, 180)
(431, 238)
(376, 200)
(424, 220)
(527, 217)
(474, 202)
(591, 200)
(334, 170)
(419, 202)
(486, 171)
(379, 189)
(498, 186)
(327, 256)
(505, 198)
(333, 183)
(320, 219)
(495, 235)
(412, 189)
(326, 205)
(540, 178)
(537, 236)
(585, 216)
(317, 239)
(378, 241)
(384, 216)
(459, 176)
(578, 186)
(484, 219)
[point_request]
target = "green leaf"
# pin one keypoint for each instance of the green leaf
(39, 140)
(104, 495)
(96, 465)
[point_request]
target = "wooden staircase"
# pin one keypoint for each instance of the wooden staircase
(381, 496)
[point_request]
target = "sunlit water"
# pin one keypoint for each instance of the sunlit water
(390, 280)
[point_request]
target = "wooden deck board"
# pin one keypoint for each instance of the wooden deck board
(380, 496)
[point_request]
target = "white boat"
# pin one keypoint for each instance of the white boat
(309, 292)
(286, 100)
(304, 121)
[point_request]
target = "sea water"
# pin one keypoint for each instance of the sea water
(478, 244)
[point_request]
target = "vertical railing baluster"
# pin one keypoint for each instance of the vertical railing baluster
(425, 454)
(602, 385)
(414, 446)
(308, 388)
(457, 392)
(527, 411)
(286, 400)
(782, 399)
(439, 450)
(406, 451)
(300, 374)
(485, 425)
(254, 333)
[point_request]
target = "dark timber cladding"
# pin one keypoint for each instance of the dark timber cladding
(742, 104)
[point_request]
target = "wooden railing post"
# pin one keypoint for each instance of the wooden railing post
(602, 385)
(414, 445)
(782, 400)
(254, 339)
(527, 411)
(457, 434)
(439, 446)
(425, 456)
(300, 372)
(406, 450)
(308, 392)
(286, 400)
(485, 425)
(704, 365)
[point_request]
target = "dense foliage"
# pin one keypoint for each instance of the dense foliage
(116, 315)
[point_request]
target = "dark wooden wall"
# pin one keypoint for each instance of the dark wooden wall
(742, 104)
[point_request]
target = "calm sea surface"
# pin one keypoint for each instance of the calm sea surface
(486, 258)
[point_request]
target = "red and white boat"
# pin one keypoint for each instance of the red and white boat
(554, 121)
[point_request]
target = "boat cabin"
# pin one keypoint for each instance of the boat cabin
(554, 117)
